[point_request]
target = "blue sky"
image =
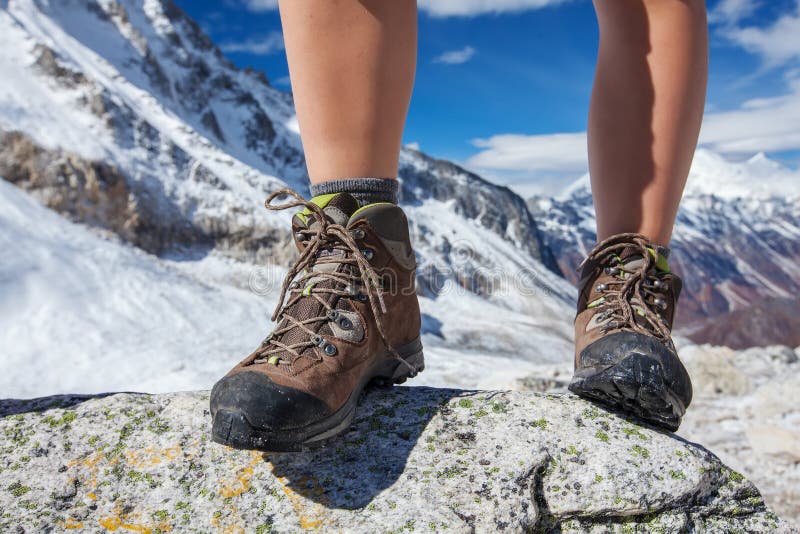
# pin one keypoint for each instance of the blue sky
(503, 85)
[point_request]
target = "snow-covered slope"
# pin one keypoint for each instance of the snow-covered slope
(121, 115)
(84, 312)
(736, 245)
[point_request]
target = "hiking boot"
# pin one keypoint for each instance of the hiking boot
(624, 355)
(350, 316)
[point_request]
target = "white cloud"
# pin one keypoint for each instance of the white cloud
(261, 5)
(777, 44)
(455, 57)
(544, 163)
(732, 11)
(273, 42)
(758, 125)
(468, 8)
(531, 164)
(447, 8)
(560, 152)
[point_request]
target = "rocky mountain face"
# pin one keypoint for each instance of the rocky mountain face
(736, 246)
(125, 116)
(416, 459)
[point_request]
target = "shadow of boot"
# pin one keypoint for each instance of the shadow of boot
(350, 471)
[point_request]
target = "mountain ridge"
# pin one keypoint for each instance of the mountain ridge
(736, 245)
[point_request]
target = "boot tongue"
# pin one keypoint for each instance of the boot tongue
(631, 257)
(338, 207)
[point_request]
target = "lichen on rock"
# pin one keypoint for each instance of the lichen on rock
(418, 459)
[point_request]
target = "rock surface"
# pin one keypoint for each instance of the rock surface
(746, 408)
(416, 459)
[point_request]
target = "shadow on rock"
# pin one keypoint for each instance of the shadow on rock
(350, 471)
(41, 404)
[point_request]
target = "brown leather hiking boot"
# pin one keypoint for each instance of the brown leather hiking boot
(351, 317)
(624, 355)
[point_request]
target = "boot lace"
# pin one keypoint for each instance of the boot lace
(617, 308)
(360, 281)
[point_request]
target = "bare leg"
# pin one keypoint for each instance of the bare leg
(645, 114)
(352, 65)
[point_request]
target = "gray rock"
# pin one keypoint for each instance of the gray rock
(756, 432)
(416, 459)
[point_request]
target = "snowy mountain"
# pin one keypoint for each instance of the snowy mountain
(123, 117)
(157, 264)
(137, 254)
(736, 245)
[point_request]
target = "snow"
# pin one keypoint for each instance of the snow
(80, 312)
(713, 174)
(122, 319)
(83, 312)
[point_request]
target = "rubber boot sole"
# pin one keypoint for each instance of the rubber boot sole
(231, 427)
(638, 386)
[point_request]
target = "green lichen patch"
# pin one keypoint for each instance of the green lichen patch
(540, 423)
(17, 489)
(735, 477)
(450, 472)
(499, 408)
(638, 450)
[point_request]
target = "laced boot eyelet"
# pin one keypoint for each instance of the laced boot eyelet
(329, 349)
(611, 271)
(361, 297)
(336, 317)
(658, 284)
(368, 253)
(357, 233)
(660, 303)
(601, 288)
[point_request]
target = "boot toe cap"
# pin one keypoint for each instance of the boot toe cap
(611, 350)
(265, 404)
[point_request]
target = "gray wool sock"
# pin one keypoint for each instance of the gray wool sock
(365, 190)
